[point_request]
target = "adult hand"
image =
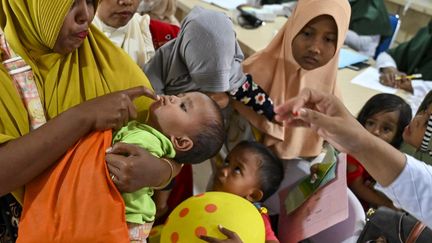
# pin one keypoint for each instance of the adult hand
(112, 111)
(405, 84)
(132, 167)
(232, 237)
(388, 77)
(325, 114)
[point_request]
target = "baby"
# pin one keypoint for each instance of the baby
(188, 128)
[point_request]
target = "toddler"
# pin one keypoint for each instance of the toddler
(416, 136)
(253, 172)
(385, 116)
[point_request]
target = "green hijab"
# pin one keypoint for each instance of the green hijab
(407, 55)
(424, 153)
(369, 17)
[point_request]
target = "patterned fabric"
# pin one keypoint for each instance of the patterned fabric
(250, 94)
(162, 32)
(427, 137)
(22, 76)
(138, 233)
(10, 211)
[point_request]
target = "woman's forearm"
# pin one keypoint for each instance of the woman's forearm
(24, 158)
(383, 162)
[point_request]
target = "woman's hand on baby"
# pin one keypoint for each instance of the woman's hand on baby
(114, 110)
(132, 167)
(232, 237)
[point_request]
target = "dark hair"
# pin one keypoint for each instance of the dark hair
(207, 141)
(387, 103)
(427, 100)
(270, 170)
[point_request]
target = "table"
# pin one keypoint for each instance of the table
(250, 40)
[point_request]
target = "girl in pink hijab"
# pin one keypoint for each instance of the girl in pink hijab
(303, 54)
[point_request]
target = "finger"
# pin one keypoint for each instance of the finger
(297, 123)
(230, 234)
(291, 107)
(112, 169)
(124, 149)
(209, 239)
(315, 118)
(392, 80)
(131, 109)
(140, 91)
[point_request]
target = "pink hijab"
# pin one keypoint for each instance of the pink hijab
(276, 71)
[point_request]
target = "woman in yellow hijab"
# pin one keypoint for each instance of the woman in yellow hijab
(81, 81)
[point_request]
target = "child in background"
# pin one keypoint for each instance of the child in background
(187, 128)
(408, 58)
(253, 172)
(417, 134)
(385, 116)
(136, 34)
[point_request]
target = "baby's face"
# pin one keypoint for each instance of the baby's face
(117, 13)
(239, 174)
(315, 44)
(413, 133)
(181, 115)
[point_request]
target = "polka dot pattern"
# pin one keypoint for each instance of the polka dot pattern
(200, 231)
(184, 212)
(199, 215)
(174, 237)
(210, 208)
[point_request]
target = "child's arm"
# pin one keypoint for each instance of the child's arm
(252, 95)
(160, 197)
(369, 194)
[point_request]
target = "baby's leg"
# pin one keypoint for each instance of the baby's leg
(138, 233)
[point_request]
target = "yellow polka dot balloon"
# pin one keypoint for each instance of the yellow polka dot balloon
(201, 215)
(155, 234)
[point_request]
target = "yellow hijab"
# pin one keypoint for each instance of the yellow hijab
(96, 68)
(276, 71)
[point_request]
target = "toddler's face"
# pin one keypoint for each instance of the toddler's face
(117, 13)
(413, 133)
(239, 174)
(315, 45)
(383, 125)
(181, 115)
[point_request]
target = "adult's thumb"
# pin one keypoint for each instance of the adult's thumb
(123, 149)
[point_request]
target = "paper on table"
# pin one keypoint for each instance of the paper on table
(226, 4)
(325, 208)
(369, 78)
(349, 57)
(421, 88)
